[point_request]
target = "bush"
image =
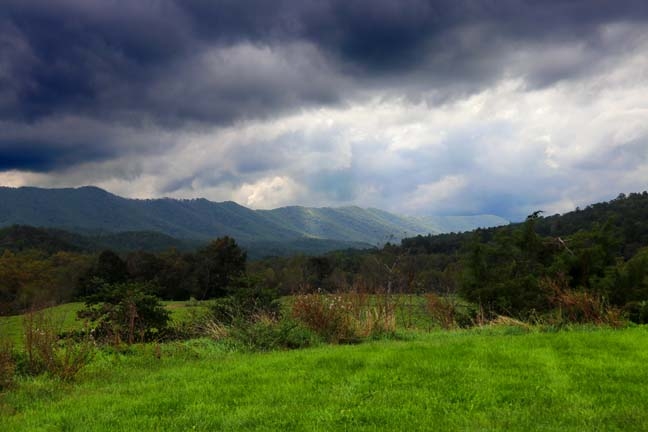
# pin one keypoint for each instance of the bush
(192, 325)
(228, 310)
(265, 333)
(215, 330)
(637, 312)
(250, 316)
(248, 297)
(126, 312)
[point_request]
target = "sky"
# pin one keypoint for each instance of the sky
(439, 107)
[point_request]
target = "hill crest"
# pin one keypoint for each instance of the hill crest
(89, 209)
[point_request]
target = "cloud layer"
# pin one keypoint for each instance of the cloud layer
(420, 107)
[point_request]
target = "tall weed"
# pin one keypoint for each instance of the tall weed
(344, 317)
(441, 310)
(580, 307)
(7, 365)
(46, 351)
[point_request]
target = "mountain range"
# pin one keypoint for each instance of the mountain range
(92, 211)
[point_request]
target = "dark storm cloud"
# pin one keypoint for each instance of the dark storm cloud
(106, 58)
(77, 51)
(175, 64)
(45, 156)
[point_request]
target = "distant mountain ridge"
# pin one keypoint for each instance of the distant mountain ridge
(51, 240)
(91, 210)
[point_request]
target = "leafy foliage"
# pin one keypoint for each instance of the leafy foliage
(250, 315)
(267, 332)
(128, 312)
(247, 297)
(504, 275)
(31, 278)
(216, 266)
(108, 268)
(600, 251)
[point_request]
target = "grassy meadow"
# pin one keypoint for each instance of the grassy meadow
(489, 378)
(64, 317)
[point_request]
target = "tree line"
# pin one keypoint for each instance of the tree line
(594, 258)
(35, 277)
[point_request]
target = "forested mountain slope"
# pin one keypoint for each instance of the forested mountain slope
(626, 216)
(91, 210)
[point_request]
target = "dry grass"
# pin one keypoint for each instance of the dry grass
(7, 365)
(345, 317)
(580, 307)
(214, 330)
(442, 310)
(502, 320)
(47, 352)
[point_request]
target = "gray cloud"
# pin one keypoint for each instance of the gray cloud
(89, 82)
(145, 61)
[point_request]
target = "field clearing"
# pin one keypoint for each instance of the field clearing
(63, 317)
(409, 313)
(482, 379)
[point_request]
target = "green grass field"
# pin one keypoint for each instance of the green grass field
(475, 380)
(64, 317)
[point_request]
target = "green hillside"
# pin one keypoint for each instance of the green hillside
(91, 210)
(457, 224)
(627, 216)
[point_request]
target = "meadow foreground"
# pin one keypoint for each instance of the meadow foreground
(500, 378)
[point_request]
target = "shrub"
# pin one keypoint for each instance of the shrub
(250, 316)
(248, 298)
(376, 315)
(265, 333)
(637, 312)
(192, 324)
(227, 310)
(126, 312)
(215, 330)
